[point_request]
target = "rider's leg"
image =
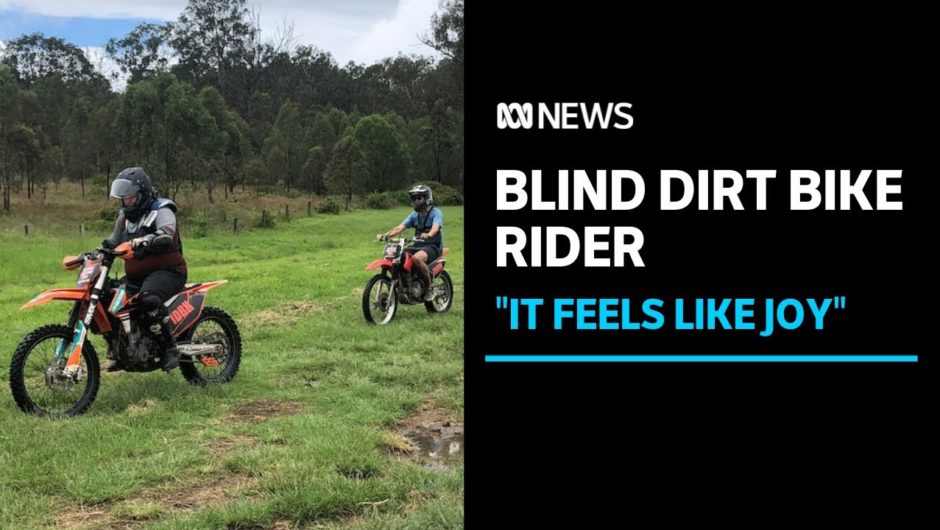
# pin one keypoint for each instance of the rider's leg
(159, 287)
(420, 259)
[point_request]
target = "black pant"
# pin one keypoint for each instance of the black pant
(157, 288)
(433, 251)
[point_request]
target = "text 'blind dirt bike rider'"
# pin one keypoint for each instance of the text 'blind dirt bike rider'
(158, 269)
(428, 223)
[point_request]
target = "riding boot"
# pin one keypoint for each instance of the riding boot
(171, 354)
(429, 292)
(114, 365)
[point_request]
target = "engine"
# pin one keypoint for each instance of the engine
(134, 349)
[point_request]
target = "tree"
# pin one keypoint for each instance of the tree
(403, 80)
(210, 36)
(314, 168)
(193, 142)
(9, 111)
(384, 153)
(439, 138)
(36, 56)
(447, 31)
(77, 140)
(346, 171)
(275, 160)
(143, 52)
(51, 166)
(24, 144)
(321, 132)
(139, 123)
(260, 118)
(287, 136)
(105, 140)
(238, 151)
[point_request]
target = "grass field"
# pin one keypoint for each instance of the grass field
(308, 435)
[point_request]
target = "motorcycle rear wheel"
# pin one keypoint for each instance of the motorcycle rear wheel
(445, 298)
(214, 326)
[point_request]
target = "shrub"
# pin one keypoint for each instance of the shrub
(381, 201)
(329, 206)
(198, 225)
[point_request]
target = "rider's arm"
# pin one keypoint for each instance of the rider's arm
(117, 235)
(165, 223)
(395, 231)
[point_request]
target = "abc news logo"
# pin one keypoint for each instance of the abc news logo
(563, 116)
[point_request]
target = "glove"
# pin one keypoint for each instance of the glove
(140, 247)
(107, 244)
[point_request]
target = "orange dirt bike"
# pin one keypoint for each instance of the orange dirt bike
(55, 369)
(400, 282)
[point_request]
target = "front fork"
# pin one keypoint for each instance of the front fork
(74, 349)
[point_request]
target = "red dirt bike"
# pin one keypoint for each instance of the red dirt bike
(55, 370)
(400, 282)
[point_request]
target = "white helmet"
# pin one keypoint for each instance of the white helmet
(421, 191)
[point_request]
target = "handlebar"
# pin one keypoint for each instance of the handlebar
(121, 251)
(385, 238)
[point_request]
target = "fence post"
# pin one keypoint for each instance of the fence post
(81, 228)
(235, 226)
(26, 230)
(309, 203)
(287, 211)
(264, 217)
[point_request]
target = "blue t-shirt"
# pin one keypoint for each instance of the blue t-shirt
(434, 217)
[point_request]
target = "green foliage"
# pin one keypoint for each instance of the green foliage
(346, 173)
(197, 226)
(444, 195)
(329, 206)
(232, 110)
(266, 220)
(36, 56)
(384, 153)
(142, 52)
(382, 201)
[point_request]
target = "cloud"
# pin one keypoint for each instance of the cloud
(399, 33)
(355, 30)
(164, 10)
(106, 66)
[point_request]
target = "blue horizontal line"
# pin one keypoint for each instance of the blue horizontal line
(701, 358)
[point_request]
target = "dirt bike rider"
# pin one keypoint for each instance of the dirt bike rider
(158, 268)
(428, 223)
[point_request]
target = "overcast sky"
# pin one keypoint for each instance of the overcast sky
(352, 30)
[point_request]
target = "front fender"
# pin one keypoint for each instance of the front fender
(76, 293)
(384, 263)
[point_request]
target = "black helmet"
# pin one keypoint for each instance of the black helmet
(421, 191)
(128, 182)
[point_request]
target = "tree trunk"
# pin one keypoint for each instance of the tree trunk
(6, 194)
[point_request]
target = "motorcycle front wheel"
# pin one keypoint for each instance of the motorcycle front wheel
(379, 302)
(40, 383)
